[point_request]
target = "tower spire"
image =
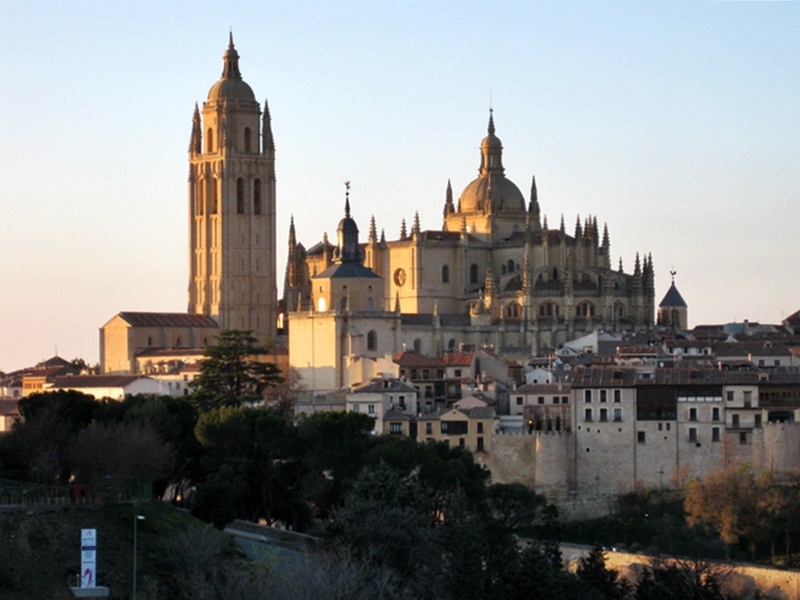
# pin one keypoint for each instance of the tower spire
(449, 208)
(267, 141)
(196, 142)
(231, 58)
(373, 231)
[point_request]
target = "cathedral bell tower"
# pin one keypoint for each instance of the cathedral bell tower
(232, 274)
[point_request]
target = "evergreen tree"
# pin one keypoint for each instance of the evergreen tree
(230, 375)
(592, 569)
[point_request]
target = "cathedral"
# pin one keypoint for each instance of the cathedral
(495, 275)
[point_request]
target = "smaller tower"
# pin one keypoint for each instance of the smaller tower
(673, 310)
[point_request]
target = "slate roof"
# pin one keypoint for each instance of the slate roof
(426, 320)
(543, 388)
(738, 349)
(597, 377)
(350, 270)
(156, 319)
(486, 412)
(673, 298)
(394, 415)
(383, 385)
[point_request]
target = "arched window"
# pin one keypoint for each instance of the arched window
(321, 307)
(445, 274)
(510, 266)
(240, 196)
(584, 309)
(548, 309)
(247, 139)
(555, 274)
(451, 345)
(214, 197)
(343, 303)
(178, 342)
(473, 273)
(370, 303)
(372, 340)
(418, 345)
(257, 197)
(149, 341)
(201, 196)
(512, 310)
(210, 140)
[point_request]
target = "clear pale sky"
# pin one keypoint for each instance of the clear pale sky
(677, 123)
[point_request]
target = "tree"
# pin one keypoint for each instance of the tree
(335, 447)
(253, 468)
(230, 375)
(120, 454)
(592, 569)
(677, 579)
(283, 396)
(41, 441)
(513, 505)
(741, 506)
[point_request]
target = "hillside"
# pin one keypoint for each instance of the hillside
(40, 554)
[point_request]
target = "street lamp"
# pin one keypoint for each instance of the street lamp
(136, 520)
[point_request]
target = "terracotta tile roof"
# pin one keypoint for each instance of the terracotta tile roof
(469, 402)
(96, 381)
(9, 408)
(415, 359)
(458, 359)
(148, 319)
(177, 352)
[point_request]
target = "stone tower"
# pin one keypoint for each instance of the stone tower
(673, 310)
(232, 275)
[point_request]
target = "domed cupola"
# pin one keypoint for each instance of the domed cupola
(491, 191)
(231, 87)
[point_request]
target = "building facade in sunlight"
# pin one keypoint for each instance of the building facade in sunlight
(495, 275)
(232, 207)
(232, 283)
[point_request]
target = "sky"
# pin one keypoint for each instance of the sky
(676, 123)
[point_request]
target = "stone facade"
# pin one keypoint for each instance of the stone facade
(495, 276)
(128, 334)
(232, 275)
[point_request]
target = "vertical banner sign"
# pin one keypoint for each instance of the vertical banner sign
(88, 557)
